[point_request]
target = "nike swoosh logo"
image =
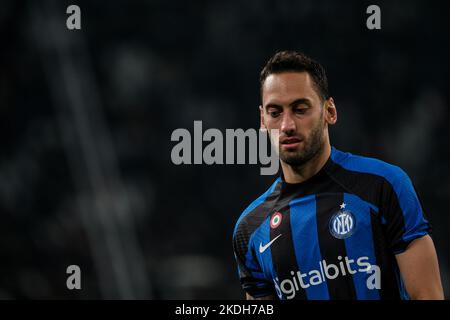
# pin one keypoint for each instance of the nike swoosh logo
(263, 248)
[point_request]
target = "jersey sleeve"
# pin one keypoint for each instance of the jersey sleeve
(250, 274)
(402, 212)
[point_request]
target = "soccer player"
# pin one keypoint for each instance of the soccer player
(334, 225)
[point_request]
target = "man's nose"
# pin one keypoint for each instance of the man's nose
(287, 124)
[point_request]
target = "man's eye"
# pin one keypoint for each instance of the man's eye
(274, 114)
(301, 110)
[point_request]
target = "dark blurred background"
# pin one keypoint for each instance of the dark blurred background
(86, 119)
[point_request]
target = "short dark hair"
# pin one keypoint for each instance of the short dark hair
(288, 61)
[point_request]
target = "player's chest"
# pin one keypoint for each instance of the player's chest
(337, 215)
(327, 225)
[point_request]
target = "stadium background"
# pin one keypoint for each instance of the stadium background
(86, 118)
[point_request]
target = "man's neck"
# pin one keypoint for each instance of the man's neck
(302, 173)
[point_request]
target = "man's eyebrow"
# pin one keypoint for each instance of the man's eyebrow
(300, 101)
(292, 104)
(272, 105)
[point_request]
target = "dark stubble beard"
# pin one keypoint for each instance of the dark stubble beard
(311, 147)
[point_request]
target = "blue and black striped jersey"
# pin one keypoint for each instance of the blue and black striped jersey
(333, 236)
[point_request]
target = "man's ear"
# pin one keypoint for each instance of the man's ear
(330, 111)
(262, 126)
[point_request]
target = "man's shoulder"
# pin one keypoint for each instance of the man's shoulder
(247, 213)
(369, 165)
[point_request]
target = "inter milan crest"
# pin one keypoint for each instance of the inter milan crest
(342, 223)
(275, 220)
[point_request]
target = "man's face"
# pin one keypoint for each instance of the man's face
(291, 105)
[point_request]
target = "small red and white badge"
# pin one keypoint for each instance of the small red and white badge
(275, 220)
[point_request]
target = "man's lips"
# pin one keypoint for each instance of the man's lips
(290, 142)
